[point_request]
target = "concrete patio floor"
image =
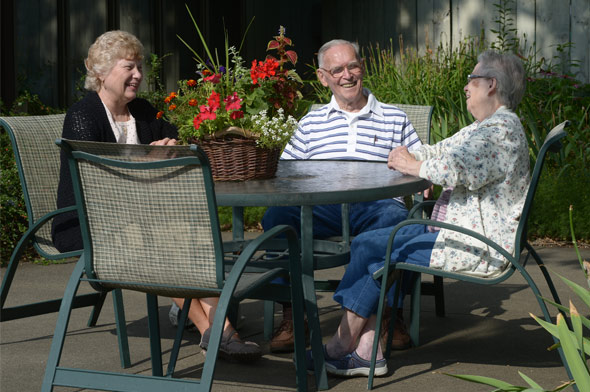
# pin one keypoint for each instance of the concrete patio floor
(486, 331)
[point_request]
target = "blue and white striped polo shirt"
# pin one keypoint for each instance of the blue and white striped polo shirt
(370, 134)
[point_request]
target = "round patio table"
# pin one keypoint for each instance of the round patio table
(314, 182)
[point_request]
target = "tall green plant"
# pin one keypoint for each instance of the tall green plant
(156, 91)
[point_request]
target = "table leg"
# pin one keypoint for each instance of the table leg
(310, 297)
(237, 221)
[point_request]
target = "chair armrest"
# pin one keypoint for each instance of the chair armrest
(34, 227)
(384, 271)
(427, 204)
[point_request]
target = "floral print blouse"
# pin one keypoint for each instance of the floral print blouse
(487, 164)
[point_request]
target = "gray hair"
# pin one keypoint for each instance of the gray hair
(509, 73)
(336, 42)
(103, 54)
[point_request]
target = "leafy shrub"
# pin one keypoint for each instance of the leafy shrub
(549, 216)
(13, 214)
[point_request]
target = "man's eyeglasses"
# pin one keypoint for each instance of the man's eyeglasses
(473, 76)
(353, 68)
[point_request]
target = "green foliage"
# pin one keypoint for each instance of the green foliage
(13, 214)
(156, 91)
(252, 217)
(435, 78)
(549, 216)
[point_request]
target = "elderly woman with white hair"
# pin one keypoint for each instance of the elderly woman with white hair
(486, 164)
(112, 112)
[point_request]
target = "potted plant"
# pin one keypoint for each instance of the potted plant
(242, 117)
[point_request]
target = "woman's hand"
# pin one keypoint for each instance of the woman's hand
(401, 160)
(164, 142)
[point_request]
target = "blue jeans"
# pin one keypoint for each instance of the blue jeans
(327, 219)
(358, 291)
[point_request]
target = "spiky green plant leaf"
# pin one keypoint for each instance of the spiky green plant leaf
(575, 362)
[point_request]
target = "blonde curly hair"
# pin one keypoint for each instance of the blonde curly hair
(109, 48)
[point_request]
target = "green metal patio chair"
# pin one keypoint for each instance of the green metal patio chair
(149, 223)
(390, 272)
(37, 159)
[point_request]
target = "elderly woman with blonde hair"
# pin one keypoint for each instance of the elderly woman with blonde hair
(112, 112)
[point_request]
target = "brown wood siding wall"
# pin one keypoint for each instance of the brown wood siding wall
(44, 42)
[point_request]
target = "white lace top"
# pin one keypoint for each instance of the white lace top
(125, 131)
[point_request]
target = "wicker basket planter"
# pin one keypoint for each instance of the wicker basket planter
(239, 159)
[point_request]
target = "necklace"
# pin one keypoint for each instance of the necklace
(122, 127)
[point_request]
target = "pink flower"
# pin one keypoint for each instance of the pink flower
(216, 78)
(197, 121)
(236, 114)
(233, 102)
(213, 101)
(207, 113)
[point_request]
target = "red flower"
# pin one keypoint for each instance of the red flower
(197, 121)
(261, 70)
(172, 107)
(191, 83)
(213, 101)
(233, 102)
(159, 114)
(236, 114)
(207, 113)
(216, 78)
(192, 102)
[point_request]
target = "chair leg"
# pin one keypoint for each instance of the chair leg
(121, 326)
(154, 333)
(269, 314)
(62, 326)
(380, 310)
(299, 331)
(545, 311)
(315, 333)
(415, 310)
(96, 309)
(178, 338)
(439, 296)
(548, 279)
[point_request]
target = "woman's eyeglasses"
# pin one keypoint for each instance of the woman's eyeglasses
(353, 68)
(473, 76)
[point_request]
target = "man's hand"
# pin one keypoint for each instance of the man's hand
(401, 160)
(164, 142)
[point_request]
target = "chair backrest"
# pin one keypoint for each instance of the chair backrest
(552, 143)
(421, 117)
(148, 217)
(33, 142)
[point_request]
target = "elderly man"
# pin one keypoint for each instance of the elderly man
(354, 125)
